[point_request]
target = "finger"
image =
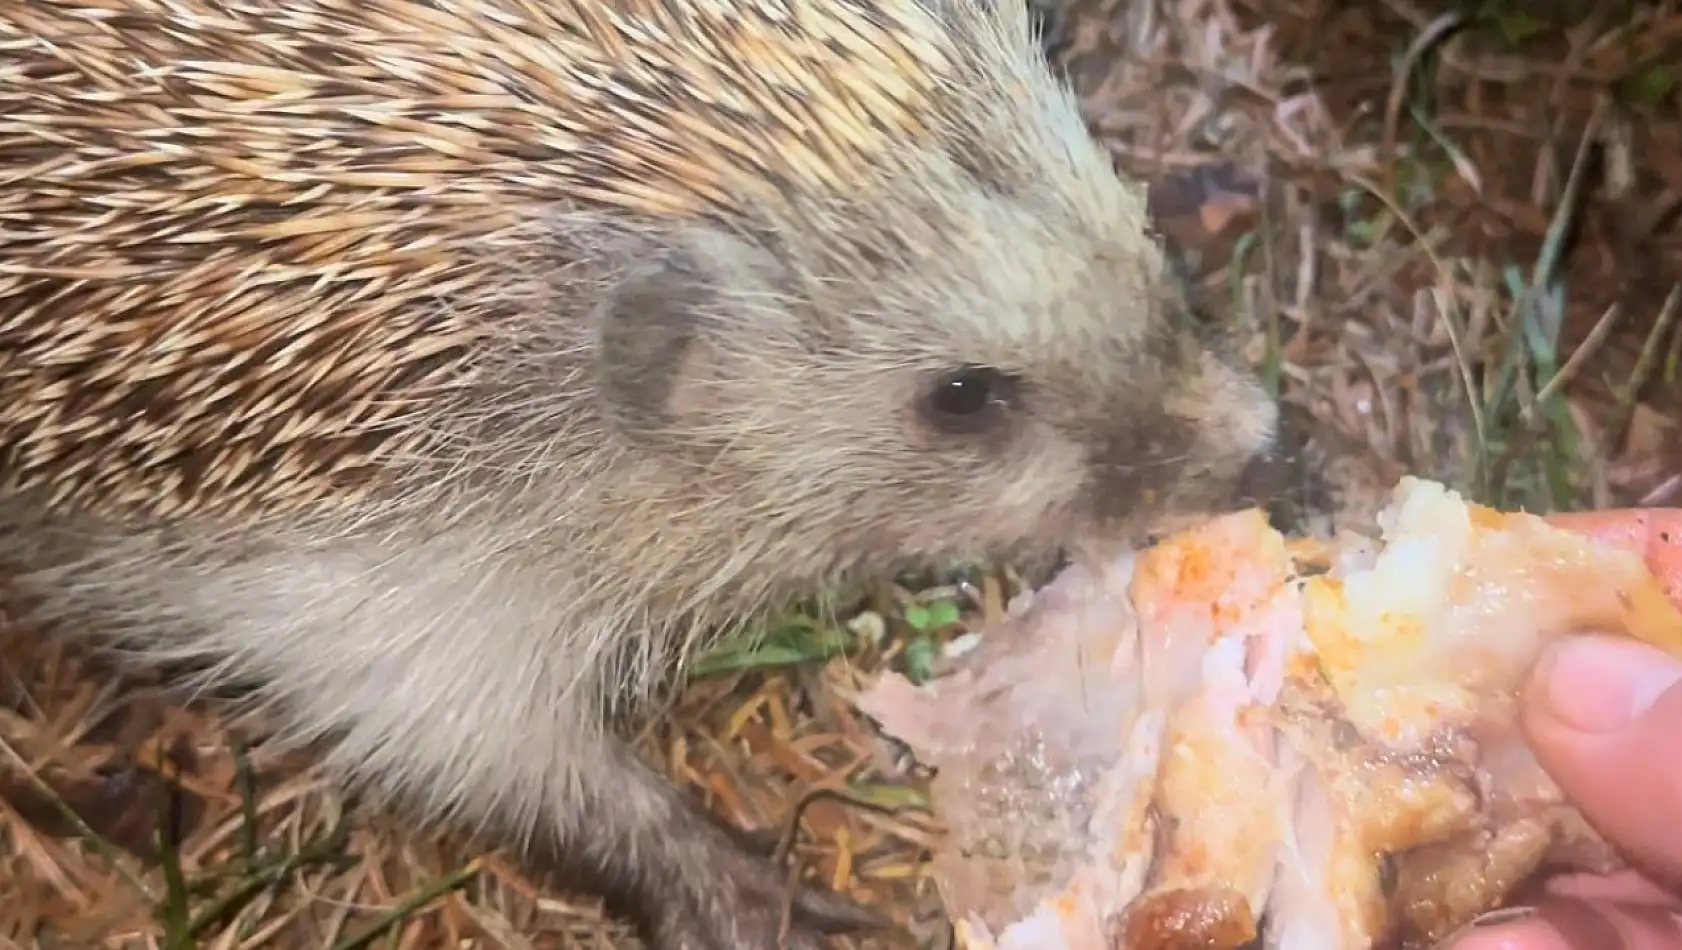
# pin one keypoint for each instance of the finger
(1623, 887)
(1582, 925)
(1604, 716)
(1653, 533)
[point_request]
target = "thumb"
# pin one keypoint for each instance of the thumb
(1604, 716)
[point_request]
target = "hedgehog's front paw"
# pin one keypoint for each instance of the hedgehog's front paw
(658, 857)
(737, 901)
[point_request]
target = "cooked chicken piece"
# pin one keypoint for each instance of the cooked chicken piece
(1230, 736)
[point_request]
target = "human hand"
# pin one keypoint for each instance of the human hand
(1604, 717)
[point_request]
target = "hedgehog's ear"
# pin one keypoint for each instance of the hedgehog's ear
(655, 357)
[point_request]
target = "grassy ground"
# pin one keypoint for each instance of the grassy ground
(1473, 205)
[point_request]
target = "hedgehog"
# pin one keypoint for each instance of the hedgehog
(456, 370)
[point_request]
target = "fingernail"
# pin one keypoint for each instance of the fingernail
(1467, 935)
(1602, 684)
(1505, 915)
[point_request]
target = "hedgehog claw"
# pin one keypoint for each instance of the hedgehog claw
(741, 904)
(828, 912)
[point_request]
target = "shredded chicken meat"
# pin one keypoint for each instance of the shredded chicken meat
(1233, 739)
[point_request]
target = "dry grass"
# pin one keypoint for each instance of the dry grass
(1457, 255)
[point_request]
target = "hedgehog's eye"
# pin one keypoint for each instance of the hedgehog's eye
(968, 398)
